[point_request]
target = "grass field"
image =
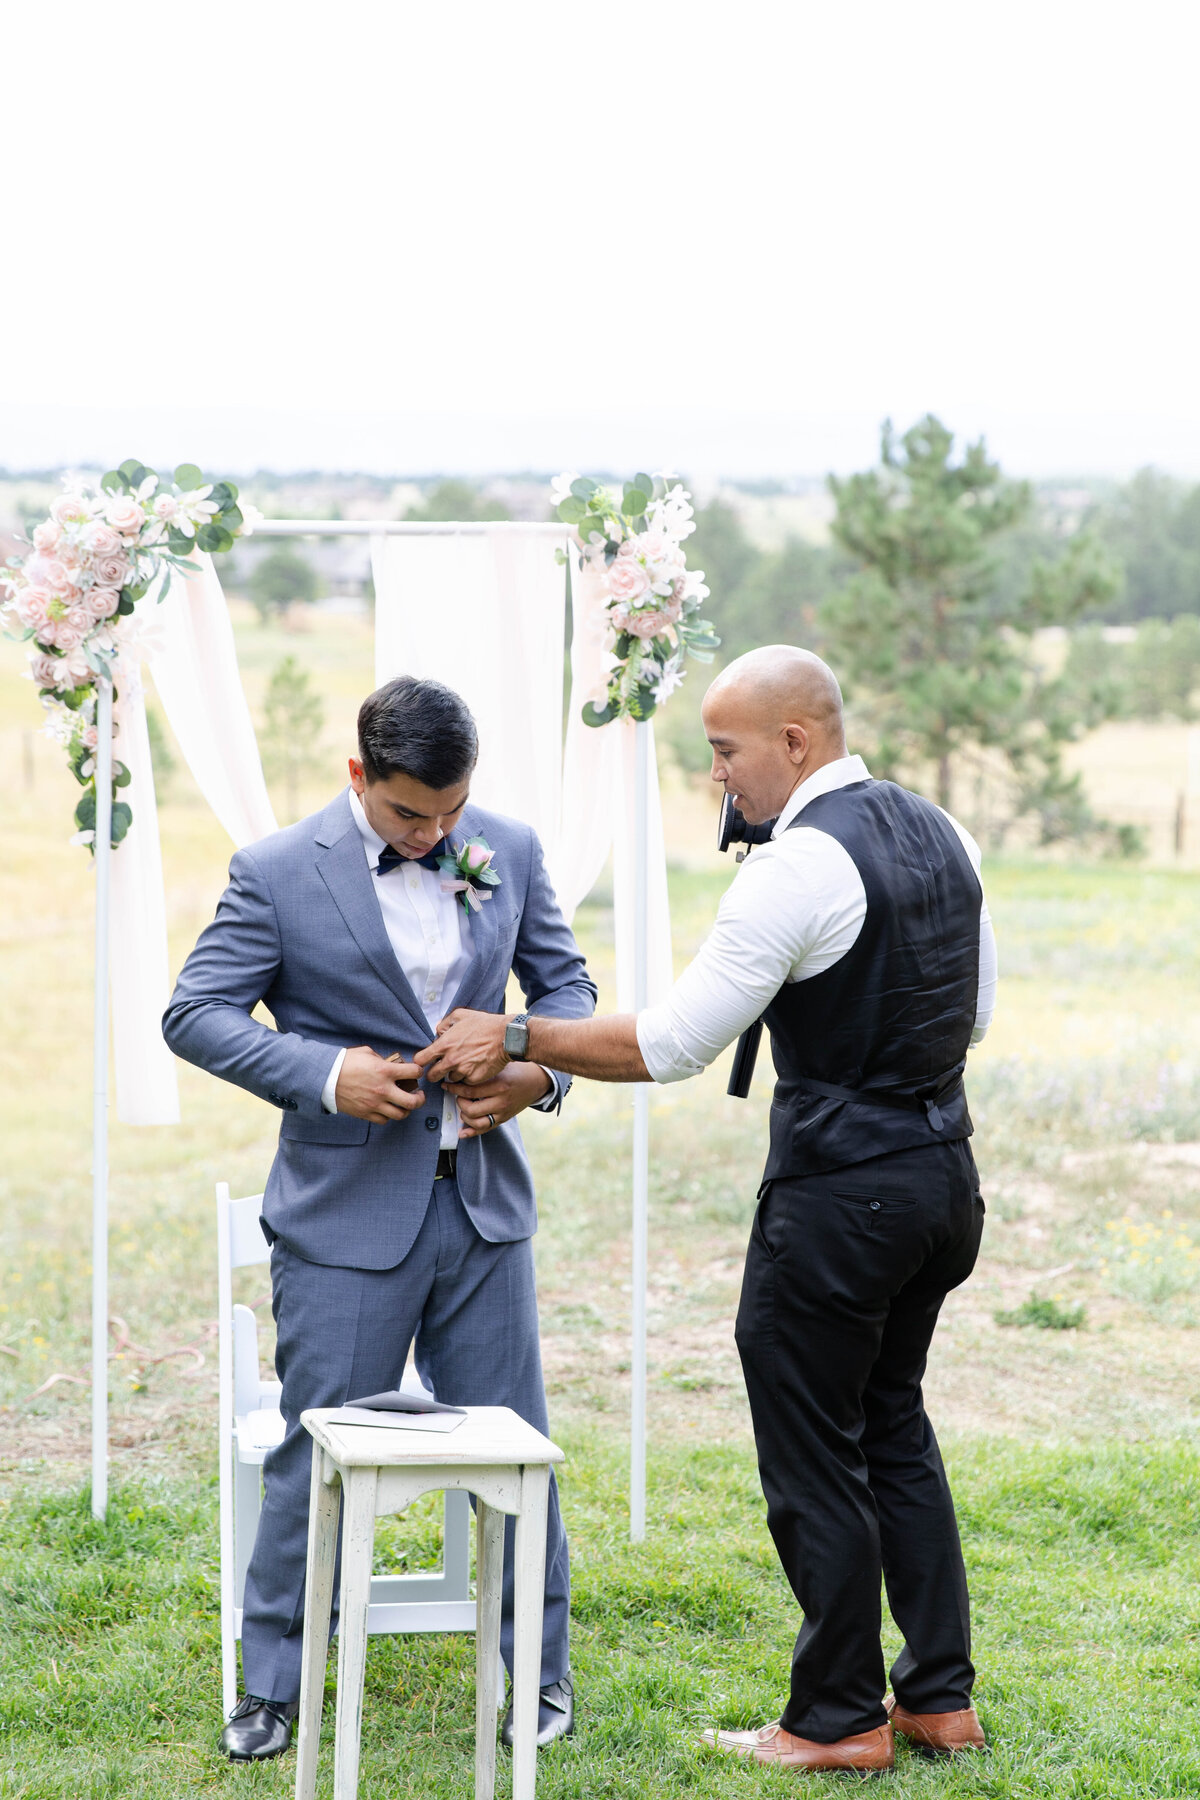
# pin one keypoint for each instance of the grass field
(1073, 1452)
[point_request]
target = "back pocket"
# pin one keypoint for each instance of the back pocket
(875, 1208)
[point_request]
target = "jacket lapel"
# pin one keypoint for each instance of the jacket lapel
(343, 869)
(483, 926)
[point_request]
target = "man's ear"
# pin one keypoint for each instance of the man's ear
(358, 780)
(797, 740)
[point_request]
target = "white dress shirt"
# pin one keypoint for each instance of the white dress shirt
(795, 907)
(430, 934)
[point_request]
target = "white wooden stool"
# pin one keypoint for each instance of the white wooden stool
(505, 1463)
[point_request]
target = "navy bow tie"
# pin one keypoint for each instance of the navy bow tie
(392, 859)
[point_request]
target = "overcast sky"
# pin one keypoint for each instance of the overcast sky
(473, 236)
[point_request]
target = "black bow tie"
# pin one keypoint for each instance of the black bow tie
(392, 859)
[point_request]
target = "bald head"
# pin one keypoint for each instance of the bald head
(773, 717)
(781, 683)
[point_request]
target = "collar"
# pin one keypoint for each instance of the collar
(825, 780)
(372, 842)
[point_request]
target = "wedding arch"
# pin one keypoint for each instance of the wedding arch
(497, 633)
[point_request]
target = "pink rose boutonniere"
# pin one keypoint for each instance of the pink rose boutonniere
(468, 872)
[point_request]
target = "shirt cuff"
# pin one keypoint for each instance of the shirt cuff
(551, 1100)
(663, 1054)
(329, 1091)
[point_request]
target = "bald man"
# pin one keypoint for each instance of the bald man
(860, 934)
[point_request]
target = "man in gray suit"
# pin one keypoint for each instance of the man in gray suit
(398, 1214)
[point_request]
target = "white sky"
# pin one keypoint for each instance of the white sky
(474, 236)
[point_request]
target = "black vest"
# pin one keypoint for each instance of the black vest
(892, 1019)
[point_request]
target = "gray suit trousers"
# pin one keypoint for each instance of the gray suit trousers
(471, 1307)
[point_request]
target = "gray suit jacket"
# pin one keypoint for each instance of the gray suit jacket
(299, 928)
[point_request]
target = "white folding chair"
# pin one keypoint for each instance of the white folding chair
(251, 1424)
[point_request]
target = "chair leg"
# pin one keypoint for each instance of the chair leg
(324, 1506)
(530, 1572)
(489, 1580)
(358, 1544)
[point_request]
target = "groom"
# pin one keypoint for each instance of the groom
(398, 1214)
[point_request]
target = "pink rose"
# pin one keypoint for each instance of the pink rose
(166, 508)
(111, 571)
(45, 669)
(33, 607)
(90, 736)
(125, 515)
(47, 535)
(478, 856)
(68, 632)
(647, 624)
(103, 540)
(101, 602)
(47, 572)
(68, 508)
(627, 581)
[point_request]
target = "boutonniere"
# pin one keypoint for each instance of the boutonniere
(468, 872)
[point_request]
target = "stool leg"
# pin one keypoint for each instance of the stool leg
(489, 1578)
(358, 1544)
(324, 1505)
(529, 1567)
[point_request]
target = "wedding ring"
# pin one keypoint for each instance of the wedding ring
(492, 1120)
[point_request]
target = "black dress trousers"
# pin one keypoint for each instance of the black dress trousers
(845, 1275)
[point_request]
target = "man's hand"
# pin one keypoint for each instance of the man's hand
(370, 1088)
(483, 1105)
(469, 1048)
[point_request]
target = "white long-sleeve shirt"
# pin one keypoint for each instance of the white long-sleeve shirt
(430, 934)
(795, 907)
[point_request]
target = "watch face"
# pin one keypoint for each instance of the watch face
(516, 1041)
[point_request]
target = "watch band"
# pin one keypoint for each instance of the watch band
(516, 1038)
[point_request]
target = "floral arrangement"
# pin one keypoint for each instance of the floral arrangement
(73, 596)
(634, 540)
(468, 872)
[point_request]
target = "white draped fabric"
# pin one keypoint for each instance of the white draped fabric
(484, 612)
(188, 643)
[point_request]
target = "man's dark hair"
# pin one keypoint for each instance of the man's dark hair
(419, 729)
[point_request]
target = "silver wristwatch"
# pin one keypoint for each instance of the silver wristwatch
(516, 1038)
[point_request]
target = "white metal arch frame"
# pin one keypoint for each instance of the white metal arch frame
(641, 1096)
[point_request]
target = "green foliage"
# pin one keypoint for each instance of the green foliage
(457, 500)
(1155, 676)
(1046, 1313)
(1152, 527)
(162, 757)
(936, 661)
(283, 576)
(295, 718)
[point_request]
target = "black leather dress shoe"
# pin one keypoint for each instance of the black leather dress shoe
(258, 1729)
(556, 1714)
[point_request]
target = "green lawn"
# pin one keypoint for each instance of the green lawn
(1084, 1564)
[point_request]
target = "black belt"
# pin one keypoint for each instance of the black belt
(884, 1097)
(447, 1162)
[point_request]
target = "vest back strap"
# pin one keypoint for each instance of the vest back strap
(881, 1097)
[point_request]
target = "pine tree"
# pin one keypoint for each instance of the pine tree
(295, 718)
(937, 661)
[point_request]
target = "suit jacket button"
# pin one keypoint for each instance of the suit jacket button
(432, 1124)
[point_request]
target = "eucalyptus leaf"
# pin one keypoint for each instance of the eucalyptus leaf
(188, 476)
(583, 487)
(114, 482)
(133, 471)
(124, 606)
(85, 812)
(646, 483)
(122, 819)
(593, 716)
(571, 510)
(121, 775)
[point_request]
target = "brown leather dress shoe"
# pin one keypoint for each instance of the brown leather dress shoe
(937, 1734)
(869, 1753)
